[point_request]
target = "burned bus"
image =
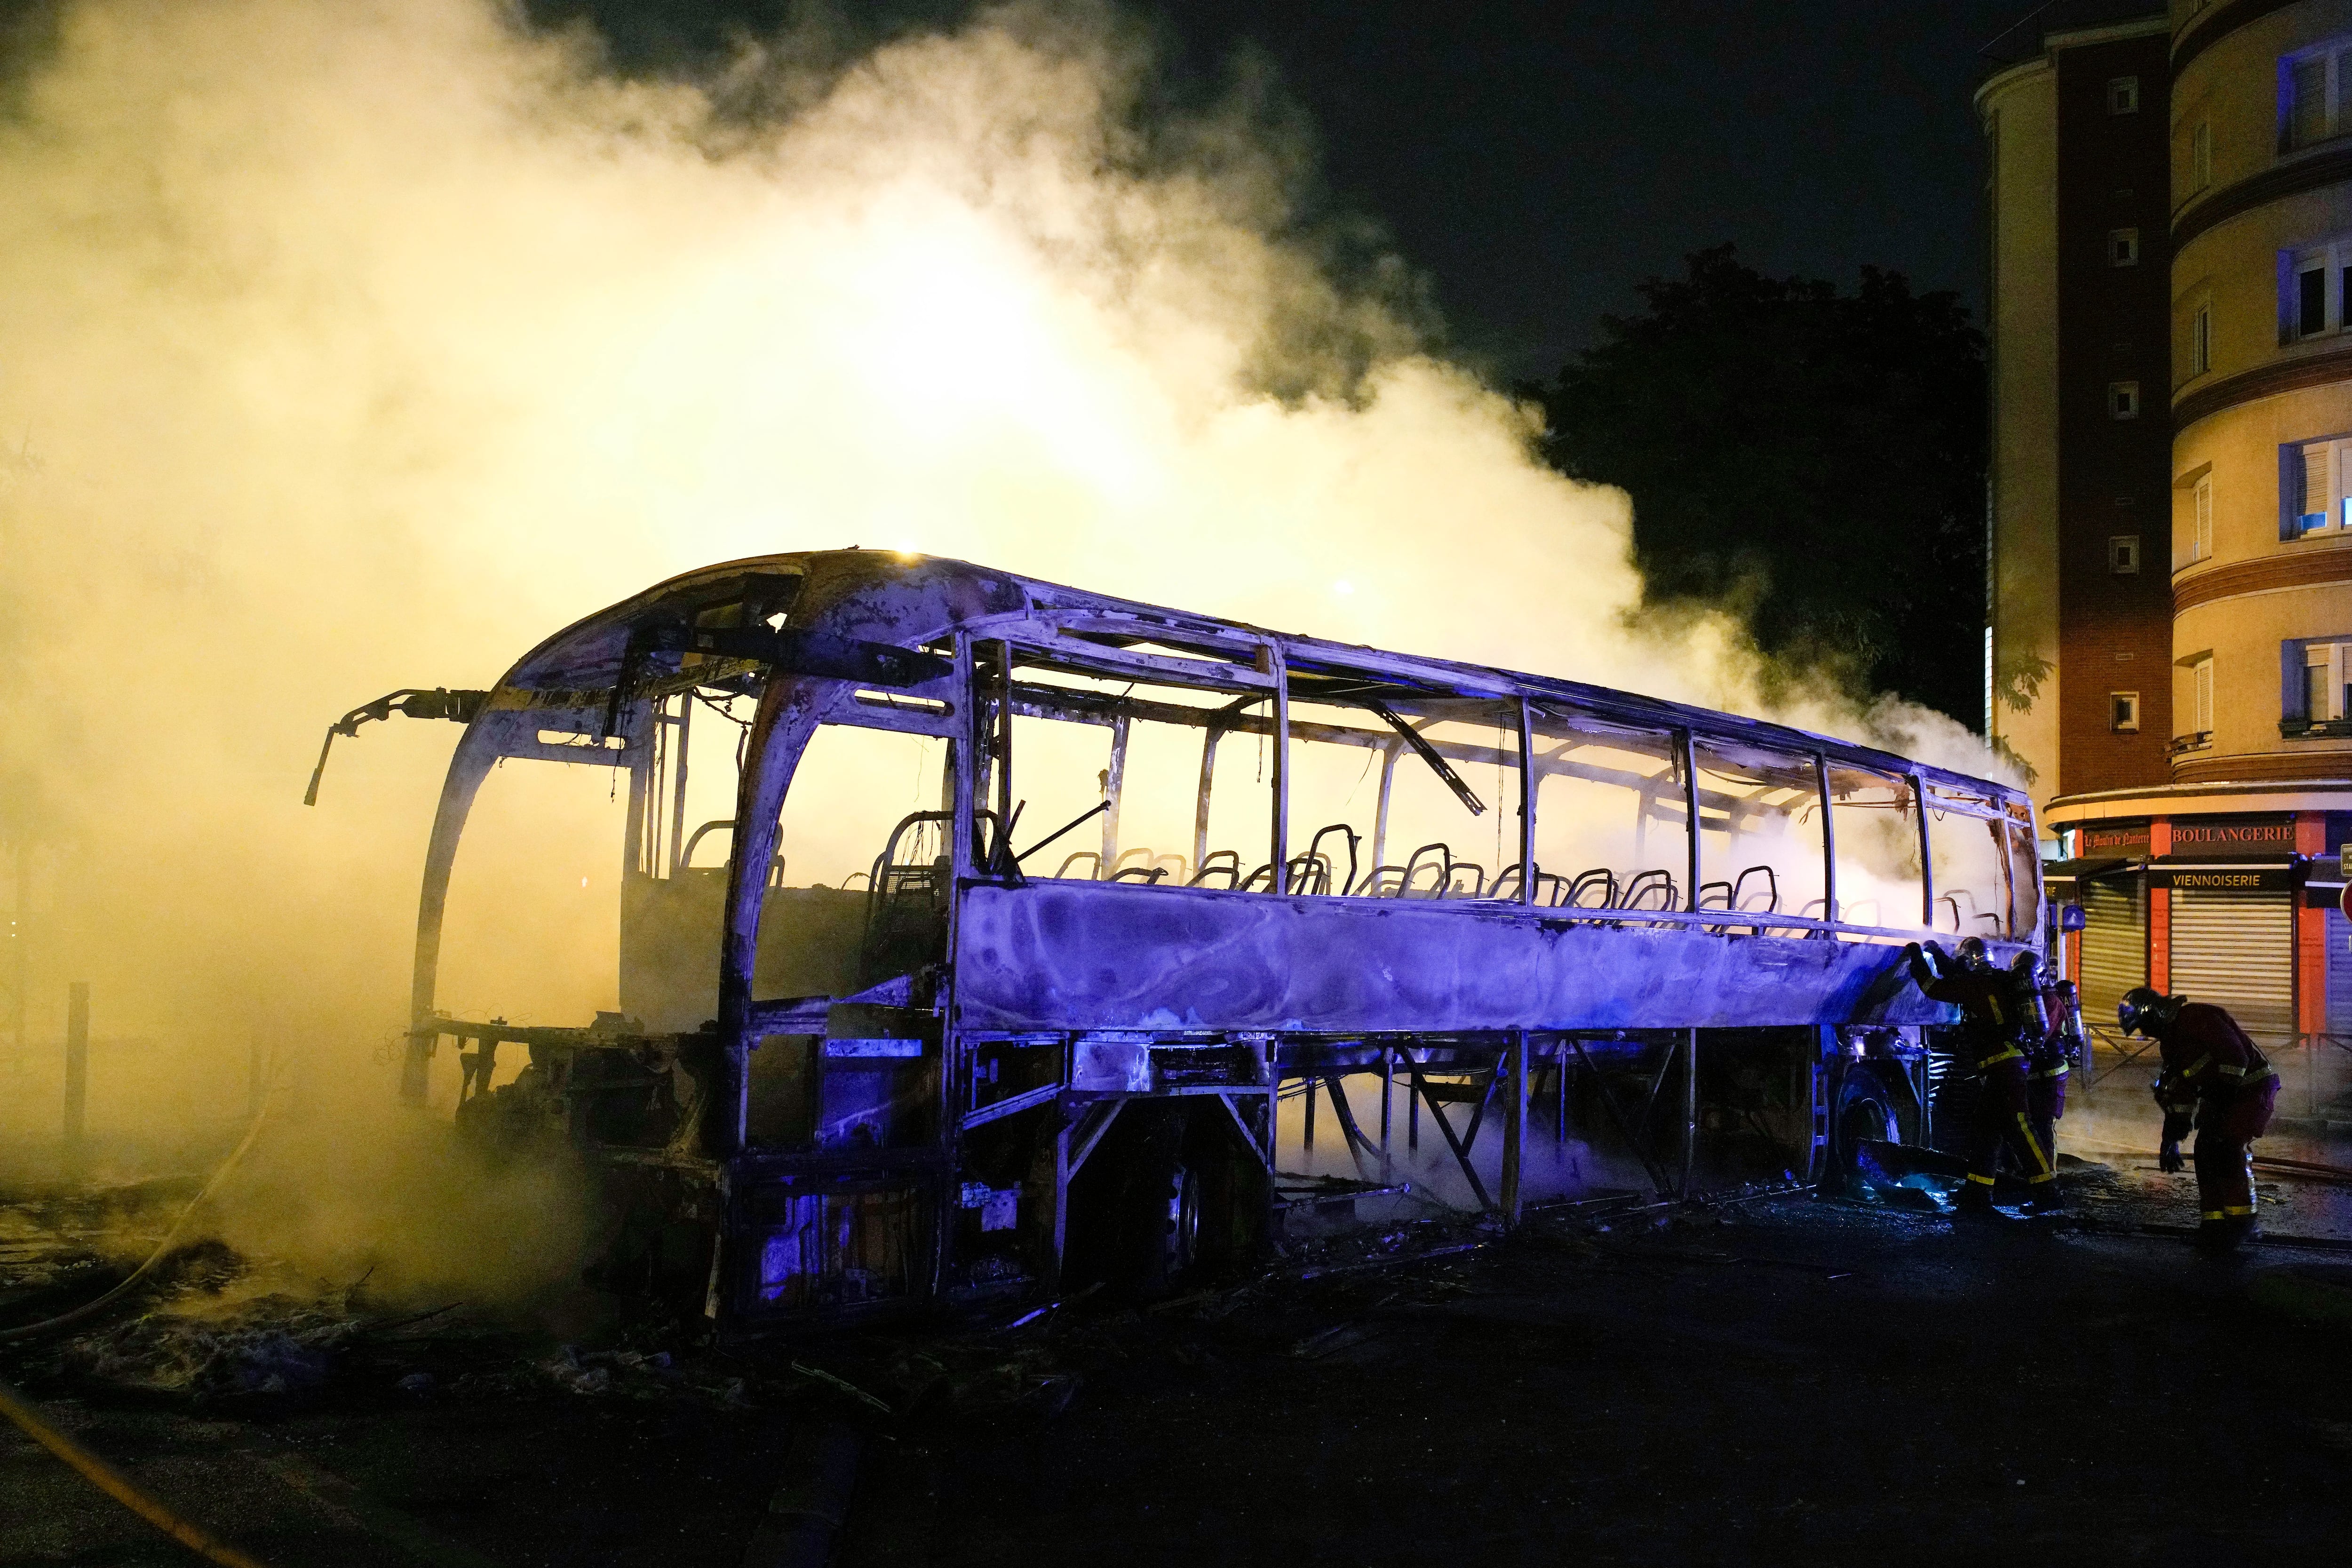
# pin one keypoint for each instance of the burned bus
(977, 935)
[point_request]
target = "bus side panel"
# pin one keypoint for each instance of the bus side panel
(1095, 955)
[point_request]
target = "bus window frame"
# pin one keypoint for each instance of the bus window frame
(1269, 677)
(1998, 814)
(1679, 747)
(999, 657)
(999, 660)
(1812, 762)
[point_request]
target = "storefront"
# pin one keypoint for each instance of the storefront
(2202, 893)
(2232, 940)
(2107, 874)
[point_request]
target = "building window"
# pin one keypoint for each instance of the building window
(2123, 95)
(2201, 341)
(2310, 88)
(2201, 156)
(2312, 477)
(2200, 520)
(2123, 399)
(2315, 282)
(2314, 701)
(2123, 554)
(2192, 699)
(2122, 247)
(2123, 712)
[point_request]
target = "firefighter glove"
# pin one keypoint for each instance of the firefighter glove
(2168, 1156)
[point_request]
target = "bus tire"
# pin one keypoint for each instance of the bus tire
(1862, 1109)
(1190, 1213)
(1168, 1227)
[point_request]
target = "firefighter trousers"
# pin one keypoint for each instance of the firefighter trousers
(2226, 1128)
(2004, 1120)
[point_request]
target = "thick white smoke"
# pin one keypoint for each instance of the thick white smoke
(356, 346)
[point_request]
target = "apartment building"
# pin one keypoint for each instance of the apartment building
(2170, 497)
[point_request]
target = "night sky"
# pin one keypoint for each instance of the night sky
(1538, 160)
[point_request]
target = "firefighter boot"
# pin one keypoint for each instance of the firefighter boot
(2046, 1199)
(2225, 1237)
(1974, 1200)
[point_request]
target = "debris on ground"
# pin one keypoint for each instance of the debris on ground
(1545, 1372)
(273, 1345)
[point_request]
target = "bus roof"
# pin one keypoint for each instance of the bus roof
(591, 652)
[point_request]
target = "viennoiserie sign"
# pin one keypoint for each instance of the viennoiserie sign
(2224, 879)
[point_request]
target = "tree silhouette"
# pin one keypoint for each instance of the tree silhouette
(1812, 460)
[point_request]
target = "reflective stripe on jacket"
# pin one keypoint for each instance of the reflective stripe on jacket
(1987, 1002)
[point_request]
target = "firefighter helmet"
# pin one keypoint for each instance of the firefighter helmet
(2145, 1010)
(1973, 953)
(2027, 967)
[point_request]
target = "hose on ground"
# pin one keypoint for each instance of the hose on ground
(90, 1308)
(114, 1484)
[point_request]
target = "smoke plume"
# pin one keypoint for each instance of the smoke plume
(352, 347)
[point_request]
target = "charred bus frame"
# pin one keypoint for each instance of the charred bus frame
(988, 1077)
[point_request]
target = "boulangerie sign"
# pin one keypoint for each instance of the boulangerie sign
(2226, 838)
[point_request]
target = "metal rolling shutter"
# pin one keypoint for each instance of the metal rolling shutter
(2236, 948)
(2339, 972)
(2115, 945)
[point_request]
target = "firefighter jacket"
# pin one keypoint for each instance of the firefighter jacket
(2208, 1058)
(1990, 1017)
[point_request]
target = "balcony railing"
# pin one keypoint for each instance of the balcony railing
(2196, 743)
(2315, 729)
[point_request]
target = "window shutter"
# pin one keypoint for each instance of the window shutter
(2318, 485)
(2200, 543)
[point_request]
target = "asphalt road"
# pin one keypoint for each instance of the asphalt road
(1787, 1382)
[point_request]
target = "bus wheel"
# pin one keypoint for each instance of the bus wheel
(1188, 1217)
(1862, 1111)
(1178, 1253)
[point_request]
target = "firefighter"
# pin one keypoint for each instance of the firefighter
(2218, 1081)
(1991, 1050)
(2054, 1044)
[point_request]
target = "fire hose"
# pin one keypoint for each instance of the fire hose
(162, 1249)
(26, 1416)
(114, 1484)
